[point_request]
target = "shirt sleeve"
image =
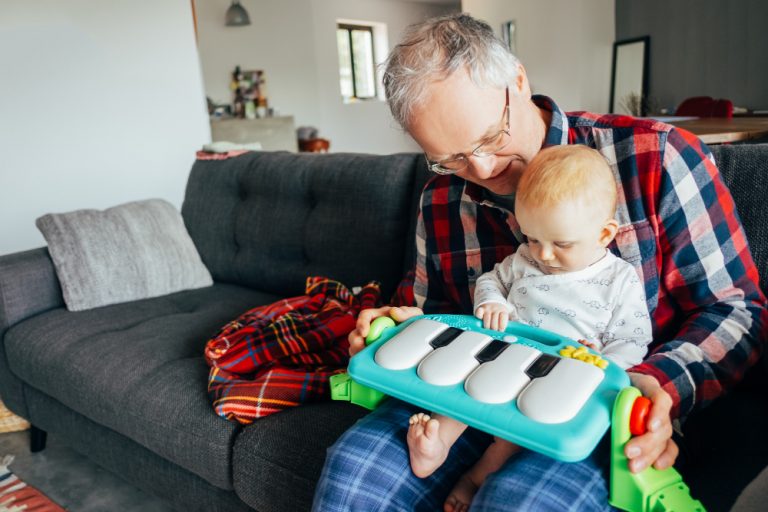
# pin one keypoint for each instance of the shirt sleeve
(494, 286)
(630, 329)
(708, 274)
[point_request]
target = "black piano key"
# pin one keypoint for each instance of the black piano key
(446, 337)
(491, 351)
(542, 366)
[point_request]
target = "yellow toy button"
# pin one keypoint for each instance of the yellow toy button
(581, 354)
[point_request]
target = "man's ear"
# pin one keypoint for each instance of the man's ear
(522, 86)
(608, 233)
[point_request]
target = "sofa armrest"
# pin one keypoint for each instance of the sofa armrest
(28, 286)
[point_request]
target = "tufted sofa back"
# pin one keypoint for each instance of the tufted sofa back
(268, 220)
(745, 170)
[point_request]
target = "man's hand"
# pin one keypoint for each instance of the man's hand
(366, 316)
(494, 316)
(656, 445)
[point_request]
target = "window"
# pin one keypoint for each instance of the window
(357, 65)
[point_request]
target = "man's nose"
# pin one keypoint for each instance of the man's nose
(482, 167)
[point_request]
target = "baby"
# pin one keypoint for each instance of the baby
(564, 279)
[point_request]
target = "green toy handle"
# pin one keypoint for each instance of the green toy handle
(650, 490)
(377, 327)
(346, 389)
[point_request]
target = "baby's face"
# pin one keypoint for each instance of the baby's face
(566, 238)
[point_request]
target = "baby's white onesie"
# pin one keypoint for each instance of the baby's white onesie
(603, 304)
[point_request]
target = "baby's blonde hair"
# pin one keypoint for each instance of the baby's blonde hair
(568, 172)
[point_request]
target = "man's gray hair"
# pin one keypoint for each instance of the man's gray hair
(432, 50)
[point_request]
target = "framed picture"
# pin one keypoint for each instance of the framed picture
(629, 77)
(508, 35)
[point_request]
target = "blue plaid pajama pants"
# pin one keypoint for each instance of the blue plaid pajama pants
(367, 470)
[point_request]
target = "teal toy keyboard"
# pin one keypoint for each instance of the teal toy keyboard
(530, 386)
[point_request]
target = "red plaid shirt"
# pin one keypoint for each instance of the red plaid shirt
(678, 227)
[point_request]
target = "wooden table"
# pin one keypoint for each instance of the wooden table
(717, 130)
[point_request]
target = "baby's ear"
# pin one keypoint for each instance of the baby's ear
(608, 233)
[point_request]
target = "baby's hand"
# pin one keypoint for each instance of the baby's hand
(494, 316)
(590, 345)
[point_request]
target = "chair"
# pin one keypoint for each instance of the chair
(705, 106)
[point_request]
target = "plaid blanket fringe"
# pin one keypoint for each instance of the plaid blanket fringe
(283, 354)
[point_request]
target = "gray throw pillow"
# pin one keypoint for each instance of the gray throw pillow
(129, 252)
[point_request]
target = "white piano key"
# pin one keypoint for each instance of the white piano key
(502, 379)
(451, 364)
(408, 347)
(559, 396)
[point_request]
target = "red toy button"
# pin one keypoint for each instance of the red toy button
(639, 414)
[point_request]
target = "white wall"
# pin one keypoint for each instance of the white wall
(565, 45)
(364, 126)
(100, 103)
(279, 41)
(294, 42)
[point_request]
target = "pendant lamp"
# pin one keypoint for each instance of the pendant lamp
(237, 16)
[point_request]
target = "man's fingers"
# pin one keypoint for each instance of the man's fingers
(367, 316)
(403, 313)
(363, 325)
(668, 456)
(660, 454)
(655, 446)
(661, 404)
(356, 342)
(646, 449)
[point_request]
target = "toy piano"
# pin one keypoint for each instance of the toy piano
(527, 385)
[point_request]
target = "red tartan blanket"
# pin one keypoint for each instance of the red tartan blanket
(283, 354)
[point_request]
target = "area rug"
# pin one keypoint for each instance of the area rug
(9, 422)
(18, 496)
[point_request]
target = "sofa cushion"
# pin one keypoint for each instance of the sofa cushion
(138, 369)
(128, 252)
(277, 460)
(343, 216)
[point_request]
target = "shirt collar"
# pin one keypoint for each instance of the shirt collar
(557, 134)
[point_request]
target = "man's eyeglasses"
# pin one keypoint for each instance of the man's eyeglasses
(491, 146)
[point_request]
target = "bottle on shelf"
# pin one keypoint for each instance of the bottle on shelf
(261, 109)
(238, 109)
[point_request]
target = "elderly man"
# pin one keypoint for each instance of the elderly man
(467, 102)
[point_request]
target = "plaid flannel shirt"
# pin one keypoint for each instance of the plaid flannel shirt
(678, 228)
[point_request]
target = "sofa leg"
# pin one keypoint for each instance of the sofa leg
(37, 438)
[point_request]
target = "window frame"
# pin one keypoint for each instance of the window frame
(349, 27)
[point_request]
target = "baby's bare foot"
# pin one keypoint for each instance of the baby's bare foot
(461, 495)
(427, 450)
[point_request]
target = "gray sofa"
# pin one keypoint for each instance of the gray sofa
(126, 384)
